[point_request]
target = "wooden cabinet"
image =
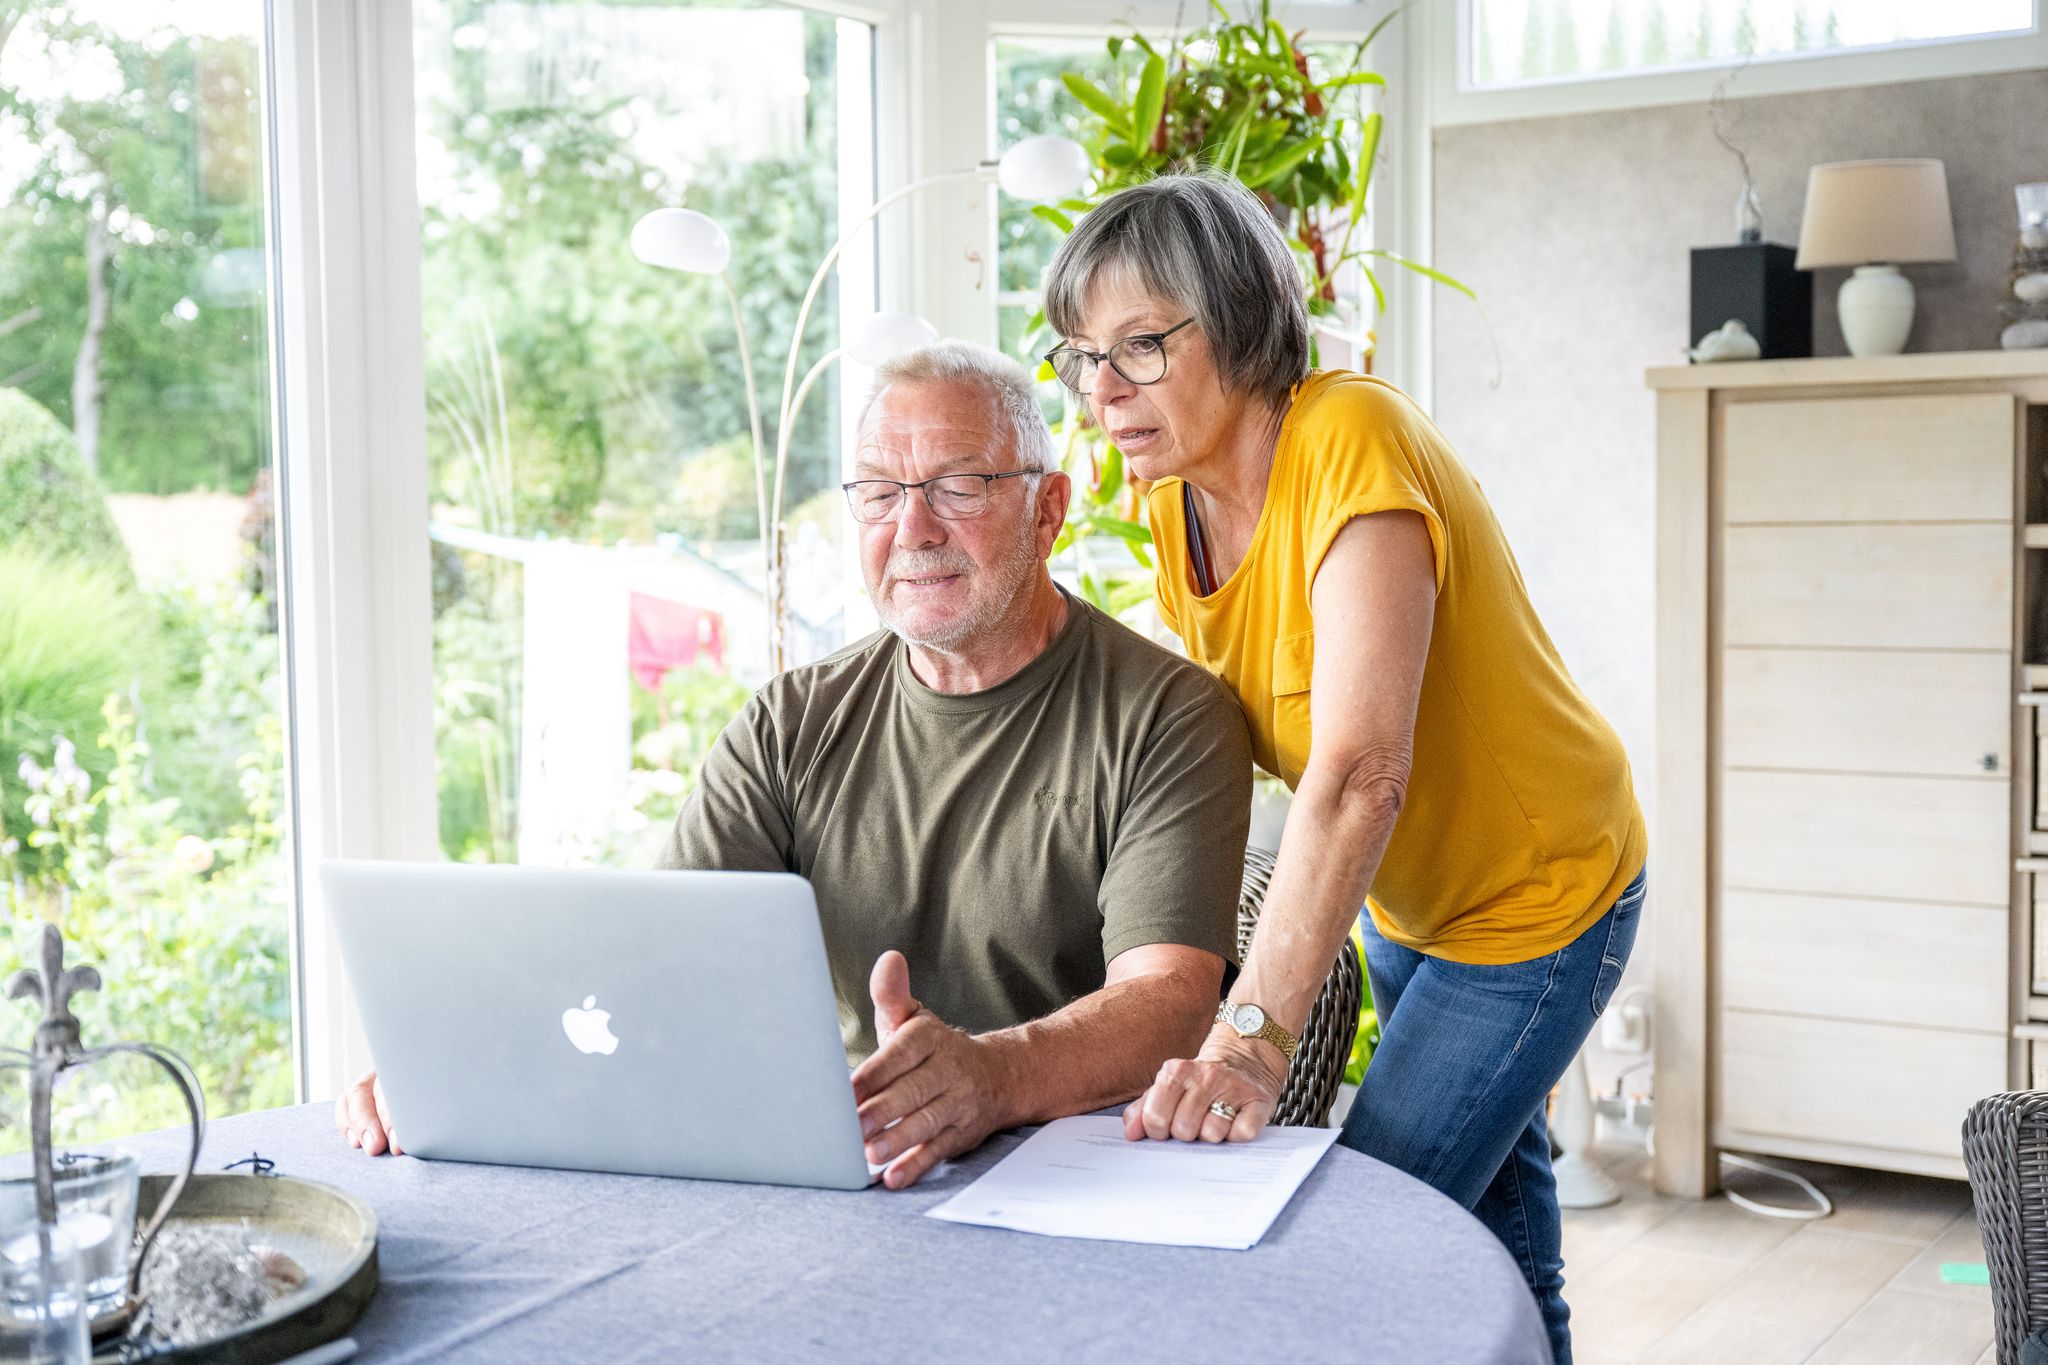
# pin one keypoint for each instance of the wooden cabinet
(1847, 824)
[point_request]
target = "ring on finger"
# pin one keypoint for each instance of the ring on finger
(1223, 1111)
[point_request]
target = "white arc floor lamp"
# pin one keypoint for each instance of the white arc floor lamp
(1045, 167)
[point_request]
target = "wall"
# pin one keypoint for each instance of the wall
(1575, 231)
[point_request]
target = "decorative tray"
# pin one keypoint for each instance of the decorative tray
(331, 1235)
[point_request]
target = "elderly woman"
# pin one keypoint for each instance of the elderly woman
(1323, 550)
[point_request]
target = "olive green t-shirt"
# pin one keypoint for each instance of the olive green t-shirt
(1009, 842)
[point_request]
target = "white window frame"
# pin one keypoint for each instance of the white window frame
(351, 428)
(1447, 51)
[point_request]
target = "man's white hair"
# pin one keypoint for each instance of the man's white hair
(1009, 387)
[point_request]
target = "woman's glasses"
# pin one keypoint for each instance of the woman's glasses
(1140, 358)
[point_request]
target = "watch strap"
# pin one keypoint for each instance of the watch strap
(1269, 1031)
(1280, 1038)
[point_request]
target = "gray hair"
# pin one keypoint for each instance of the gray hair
(1206, 244)
(1009, 387)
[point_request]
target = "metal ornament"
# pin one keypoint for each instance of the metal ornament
(57, 1048)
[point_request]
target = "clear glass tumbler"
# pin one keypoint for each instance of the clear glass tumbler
(44, 1317)
(96, 1210)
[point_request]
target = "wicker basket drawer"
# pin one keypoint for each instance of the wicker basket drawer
(2040, 912)
(2040, 767)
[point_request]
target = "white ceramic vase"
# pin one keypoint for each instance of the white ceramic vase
(1876, 309)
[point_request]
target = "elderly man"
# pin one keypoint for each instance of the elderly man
(1038, 809)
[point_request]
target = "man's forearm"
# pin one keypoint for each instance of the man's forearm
(1105, 1047)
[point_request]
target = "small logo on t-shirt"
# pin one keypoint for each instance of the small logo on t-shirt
(1047, 798)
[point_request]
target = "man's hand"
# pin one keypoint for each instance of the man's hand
(365, 1119)
(939, 1087)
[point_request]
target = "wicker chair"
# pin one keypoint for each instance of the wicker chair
(2005, 1149)
(1318, 1067)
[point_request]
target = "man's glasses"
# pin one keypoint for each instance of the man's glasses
(955, 497)
(1140, 358)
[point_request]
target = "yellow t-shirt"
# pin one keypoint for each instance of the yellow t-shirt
(1520, 827)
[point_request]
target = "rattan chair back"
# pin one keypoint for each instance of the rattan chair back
(1319, 1062)
(2005, 1150)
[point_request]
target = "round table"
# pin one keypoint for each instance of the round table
(495, 1263)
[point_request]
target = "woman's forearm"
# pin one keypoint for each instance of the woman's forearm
(1336, 833)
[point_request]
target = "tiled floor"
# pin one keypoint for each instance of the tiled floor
(1666, 1281)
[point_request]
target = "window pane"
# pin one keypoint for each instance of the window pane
(141, 740)
(598, 576)
(1531, 40)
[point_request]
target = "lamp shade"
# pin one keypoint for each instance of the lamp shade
(1876, 212)
(682, 239)
(888, 335)
(1044, 167)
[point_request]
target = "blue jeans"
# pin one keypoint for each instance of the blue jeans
(1467, 1056)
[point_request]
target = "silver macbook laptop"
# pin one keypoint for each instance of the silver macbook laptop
(651, 1023)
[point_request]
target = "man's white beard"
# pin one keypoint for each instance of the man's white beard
(994, 590)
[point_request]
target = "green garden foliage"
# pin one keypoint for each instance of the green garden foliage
(159, 141)
(70, 634)
(188, 929)
(149, 825)
(48, 498)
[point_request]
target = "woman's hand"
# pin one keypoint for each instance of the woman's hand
(1243, 1073)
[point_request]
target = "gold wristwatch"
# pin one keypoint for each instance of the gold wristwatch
(1251, 1022)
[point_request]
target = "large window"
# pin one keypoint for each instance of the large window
(141, 740)
(1512, 42)
(598, 574)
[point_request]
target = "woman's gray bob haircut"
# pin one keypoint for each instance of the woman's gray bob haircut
(1009, 386)
(1206, 244)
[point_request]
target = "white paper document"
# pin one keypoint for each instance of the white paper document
(1079, 1177)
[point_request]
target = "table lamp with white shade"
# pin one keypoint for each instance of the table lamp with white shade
(1876, 216)
(1044, 167)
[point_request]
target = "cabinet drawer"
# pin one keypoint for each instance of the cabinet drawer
(1912, 838)
(1945, 457)
(1886, 587)
(1875, 1085)
(1933, 965)
(2037, 1068)
(2037, 904)
(1941, 715)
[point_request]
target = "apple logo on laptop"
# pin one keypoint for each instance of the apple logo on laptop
(589, 1028)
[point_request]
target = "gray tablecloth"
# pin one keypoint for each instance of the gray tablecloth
(487, 1263)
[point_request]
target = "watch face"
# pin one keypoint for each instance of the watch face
(1248, 1019)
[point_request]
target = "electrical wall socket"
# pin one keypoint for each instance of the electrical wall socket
(1625, 1028)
